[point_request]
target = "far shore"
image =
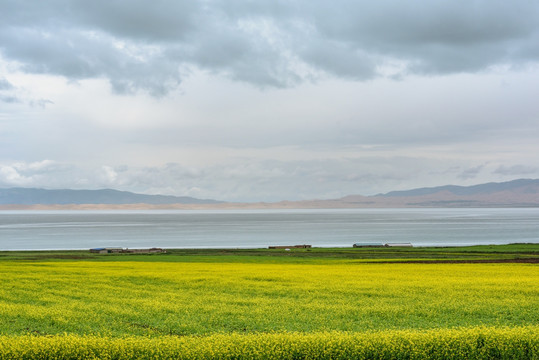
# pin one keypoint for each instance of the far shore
(382, 203)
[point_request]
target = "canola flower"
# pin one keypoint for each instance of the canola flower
(155, 299)
(469, 343)
(220, 310)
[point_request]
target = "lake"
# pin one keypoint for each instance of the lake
(56, 230)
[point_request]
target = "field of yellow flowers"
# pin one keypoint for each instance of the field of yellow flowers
(314, 310)
(443, 344)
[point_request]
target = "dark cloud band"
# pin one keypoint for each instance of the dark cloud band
(146, 46)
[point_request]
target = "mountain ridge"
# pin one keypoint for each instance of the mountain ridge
(485, 188)
(514, 193)
(35, 196)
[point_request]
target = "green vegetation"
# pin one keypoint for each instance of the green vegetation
(258, 303)
(479, 252)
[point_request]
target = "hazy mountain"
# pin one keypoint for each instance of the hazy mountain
(521, 185)
(516, 193)
(28, 196)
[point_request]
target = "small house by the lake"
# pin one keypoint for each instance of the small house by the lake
(358, 245)
(119, 250)
(108, 250)
(398, 245)
(304, 246)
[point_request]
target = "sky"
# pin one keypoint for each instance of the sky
(267, 100)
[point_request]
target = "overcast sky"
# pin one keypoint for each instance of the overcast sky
(267, 100)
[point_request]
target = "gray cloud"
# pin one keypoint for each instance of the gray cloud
(517, 170)
(440, 37)
(9, 99)
(10, 94)
(78, 55)
(471, 173)
(5, 85)
(5, 92)
(42, 103)
(138, 45)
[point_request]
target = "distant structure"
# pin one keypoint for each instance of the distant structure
(361, 245)
(119, 250)
(398, 245)
(357, 245)
(291, 247)
(109, 250)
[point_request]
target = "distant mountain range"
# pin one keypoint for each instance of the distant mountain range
(529, 186)
(27, 196)
(516, 193)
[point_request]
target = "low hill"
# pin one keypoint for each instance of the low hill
(516, 193)
(529, 186)
(31, 196)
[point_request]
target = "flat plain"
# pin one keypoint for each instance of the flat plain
(268, 296)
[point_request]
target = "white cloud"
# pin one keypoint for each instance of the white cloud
(28, 174)
(256, 179)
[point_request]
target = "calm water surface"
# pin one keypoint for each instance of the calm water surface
(27, 230)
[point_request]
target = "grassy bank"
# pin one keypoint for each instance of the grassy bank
(480, 252)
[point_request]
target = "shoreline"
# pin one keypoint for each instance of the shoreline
(321, 247)
(523, 253)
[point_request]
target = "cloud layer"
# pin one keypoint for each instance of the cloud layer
(270, 99)
(150, 47)
(262, 180)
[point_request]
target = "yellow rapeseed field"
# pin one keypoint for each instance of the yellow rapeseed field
(159, 298)
(443, 344)
(213, 307)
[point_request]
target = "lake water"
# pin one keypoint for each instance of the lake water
(54, 230)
